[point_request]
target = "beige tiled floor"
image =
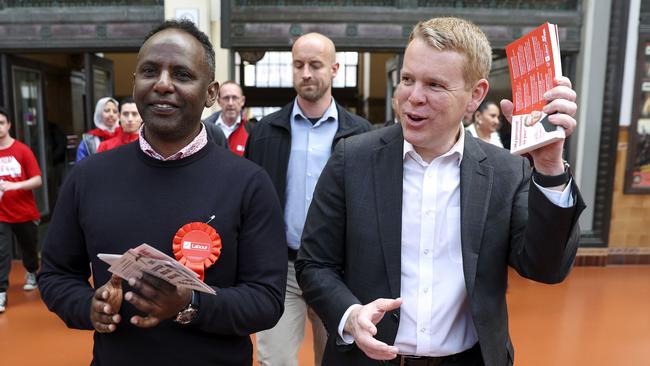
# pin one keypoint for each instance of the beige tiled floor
(599, 316)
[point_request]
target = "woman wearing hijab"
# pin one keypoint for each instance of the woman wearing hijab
(106, 117)
(130, 122)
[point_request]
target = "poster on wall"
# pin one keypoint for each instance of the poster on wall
(637, 178)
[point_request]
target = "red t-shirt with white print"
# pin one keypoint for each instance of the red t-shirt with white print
(18, 163)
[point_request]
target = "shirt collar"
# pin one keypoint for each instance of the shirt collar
(457, 149)
(220, 121)
(194, 146)
(330, 114)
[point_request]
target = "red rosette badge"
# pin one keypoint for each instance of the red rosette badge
(197, 246)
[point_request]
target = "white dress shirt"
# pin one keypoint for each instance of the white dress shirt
(435, 318)
(227, 130)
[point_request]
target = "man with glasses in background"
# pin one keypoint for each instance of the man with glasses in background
(230, 119)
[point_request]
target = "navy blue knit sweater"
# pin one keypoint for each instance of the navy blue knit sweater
(121, 198)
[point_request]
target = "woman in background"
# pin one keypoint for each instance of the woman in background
(106, 117)
(486, 123)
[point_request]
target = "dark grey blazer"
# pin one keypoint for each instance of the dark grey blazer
(351, 242)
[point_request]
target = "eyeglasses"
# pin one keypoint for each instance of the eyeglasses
(228, 98)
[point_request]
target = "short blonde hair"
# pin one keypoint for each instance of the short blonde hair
(462, 36)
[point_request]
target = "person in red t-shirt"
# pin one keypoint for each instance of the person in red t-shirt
(19, 175)
(130, 121)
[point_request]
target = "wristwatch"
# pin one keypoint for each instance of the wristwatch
(190, 312)
(553, 180)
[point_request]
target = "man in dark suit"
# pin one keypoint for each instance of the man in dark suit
(293, 145)
(411, 229)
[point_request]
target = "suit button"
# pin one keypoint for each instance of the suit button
(396, 316)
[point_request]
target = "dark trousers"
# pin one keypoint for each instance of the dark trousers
(27, 235)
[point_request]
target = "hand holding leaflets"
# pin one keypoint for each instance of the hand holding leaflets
(543, 101)
(146, 259)
(538, 91)
(161, 287)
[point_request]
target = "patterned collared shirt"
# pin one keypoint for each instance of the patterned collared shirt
(194, 146)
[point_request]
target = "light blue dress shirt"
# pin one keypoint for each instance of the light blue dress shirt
(311, 147)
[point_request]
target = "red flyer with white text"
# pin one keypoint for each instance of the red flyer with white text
(534, 62)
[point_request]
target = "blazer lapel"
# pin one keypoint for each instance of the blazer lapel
(476, 179)
(388, 170)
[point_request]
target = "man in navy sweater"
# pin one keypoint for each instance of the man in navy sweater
(147, 192)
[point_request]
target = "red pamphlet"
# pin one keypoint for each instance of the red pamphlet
(534, 62)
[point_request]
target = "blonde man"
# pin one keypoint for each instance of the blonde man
(411, 229)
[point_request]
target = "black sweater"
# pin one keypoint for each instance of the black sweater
(121, 198)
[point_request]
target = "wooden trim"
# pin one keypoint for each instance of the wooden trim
(600, 257)
(384, 29)
(88, 29)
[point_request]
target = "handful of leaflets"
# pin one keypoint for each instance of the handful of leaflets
(147, 259)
